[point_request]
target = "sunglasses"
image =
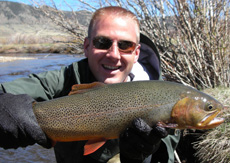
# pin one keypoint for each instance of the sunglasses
(105, 43)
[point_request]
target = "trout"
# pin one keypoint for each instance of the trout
(98, 112)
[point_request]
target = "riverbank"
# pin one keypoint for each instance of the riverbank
(62, 48)
(10, 59)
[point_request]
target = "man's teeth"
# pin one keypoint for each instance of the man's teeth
(111, 67)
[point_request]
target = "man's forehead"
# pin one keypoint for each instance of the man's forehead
(110, 25)
(113, 16)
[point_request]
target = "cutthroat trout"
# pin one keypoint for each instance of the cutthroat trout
(100, 111)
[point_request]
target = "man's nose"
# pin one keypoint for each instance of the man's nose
(114, 51)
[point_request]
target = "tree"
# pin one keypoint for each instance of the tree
(192, 36)
(66, 20)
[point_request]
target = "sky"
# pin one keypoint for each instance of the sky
(61, 4)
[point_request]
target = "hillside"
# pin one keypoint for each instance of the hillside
(25, 24)
(19, 13)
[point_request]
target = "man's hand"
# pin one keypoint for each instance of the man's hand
(140, 141)
(18, 124)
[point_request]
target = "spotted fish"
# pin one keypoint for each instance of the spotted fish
(98, 112)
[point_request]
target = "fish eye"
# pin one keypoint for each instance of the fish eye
(209, 107)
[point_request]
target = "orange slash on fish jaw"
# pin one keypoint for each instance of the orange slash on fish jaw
(211, 120)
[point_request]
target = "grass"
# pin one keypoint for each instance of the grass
(214, 145)
(33, 48)
(29, 44)
(23, 38)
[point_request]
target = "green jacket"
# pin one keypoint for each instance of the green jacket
(53, 84)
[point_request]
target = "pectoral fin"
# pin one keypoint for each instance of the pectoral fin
(93, 145)
(168, 125)
(81, 88)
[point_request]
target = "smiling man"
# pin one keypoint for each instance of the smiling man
(115, 52)
(112, 45)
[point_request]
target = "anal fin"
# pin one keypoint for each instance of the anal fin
(93, 145)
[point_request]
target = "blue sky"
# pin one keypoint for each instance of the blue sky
(21, 1)
(60, 3)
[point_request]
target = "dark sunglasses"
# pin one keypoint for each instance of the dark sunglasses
(105, 43)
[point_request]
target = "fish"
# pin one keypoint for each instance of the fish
(98, 112)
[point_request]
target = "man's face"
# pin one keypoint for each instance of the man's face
(111, 65)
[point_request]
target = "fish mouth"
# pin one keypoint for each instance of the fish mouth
(211, 120)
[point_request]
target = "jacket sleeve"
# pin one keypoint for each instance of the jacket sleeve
(165, 153)
(171, 142)
(43, 86)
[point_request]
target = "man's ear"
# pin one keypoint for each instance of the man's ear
(86, 46)
(137, 52)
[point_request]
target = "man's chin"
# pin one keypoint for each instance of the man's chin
(113, 80)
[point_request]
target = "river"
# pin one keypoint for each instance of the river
(21, 65)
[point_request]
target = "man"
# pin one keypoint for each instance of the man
(112, 49)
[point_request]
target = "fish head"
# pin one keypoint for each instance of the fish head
(197, 110)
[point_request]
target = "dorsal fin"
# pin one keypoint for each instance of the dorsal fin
(81, 88)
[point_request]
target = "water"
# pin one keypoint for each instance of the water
(30, 154)
(39, 63)
(22, 68)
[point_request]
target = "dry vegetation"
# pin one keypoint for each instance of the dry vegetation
(214, 145)
(39, 42)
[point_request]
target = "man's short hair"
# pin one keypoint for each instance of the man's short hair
(116, 11)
